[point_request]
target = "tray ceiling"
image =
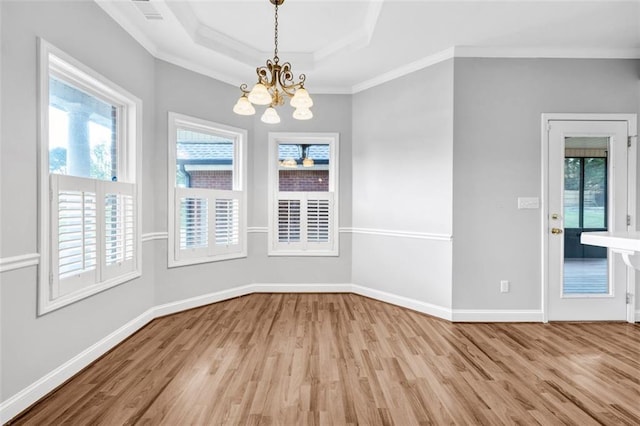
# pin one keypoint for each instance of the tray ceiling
(346, 46)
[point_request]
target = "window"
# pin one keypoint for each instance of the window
(303, 179)
(90, 233)
(207, 199)
(585, 193)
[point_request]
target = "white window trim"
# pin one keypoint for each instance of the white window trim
(131, 128)
(176, 120)
(331, 139)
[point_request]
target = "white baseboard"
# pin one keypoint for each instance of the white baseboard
(490, 315)
(205, 299)
(41, 387)
(28, 396)
(302, 288)
(405, 302)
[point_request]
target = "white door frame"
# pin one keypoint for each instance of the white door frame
(632, 125)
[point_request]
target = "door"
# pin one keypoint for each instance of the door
(587, 191)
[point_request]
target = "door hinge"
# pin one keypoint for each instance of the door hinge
(628, 220)
(629, 139)
(629, 298)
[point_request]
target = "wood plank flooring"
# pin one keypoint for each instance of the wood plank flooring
(345, 359)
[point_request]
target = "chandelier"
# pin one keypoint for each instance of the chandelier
(275, 81)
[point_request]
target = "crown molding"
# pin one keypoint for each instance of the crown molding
(497, 52)
(545, 52)
(111, 8)
(404, 70)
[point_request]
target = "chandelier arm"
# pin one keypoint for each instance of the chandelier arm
(291, 89)
(263, 76)
(244, 89)
(286, 80)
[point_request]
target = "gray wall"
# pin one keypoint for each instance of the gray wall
(497, 150)
(32, 346)
(185, 92)
(402, 181)
(332, 113)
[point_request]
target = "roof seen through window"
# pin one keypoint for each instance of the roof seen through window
(317, 152)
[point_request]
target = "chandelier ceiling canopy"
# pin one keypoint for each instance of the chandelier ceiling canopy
(275, 82)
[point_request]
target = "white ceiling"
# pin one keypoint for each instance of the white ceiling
(346, 46)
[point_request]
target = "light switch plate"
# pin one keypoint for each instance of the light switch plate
(528, 203)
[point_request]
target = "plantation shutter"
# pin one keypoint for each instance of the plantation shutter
(305, 221)
(119, 229)
(93, 229)
(289, 220)
(227, 222)
(192, 223)
(74, 234)
(208, 222)
(318, 221)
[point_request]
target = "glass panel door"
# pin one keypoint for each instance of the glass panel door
(587, 190)
(586, 268)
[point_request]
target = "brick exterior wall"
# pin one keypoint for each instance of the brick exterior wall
(212, 179)
(290, 180)
(304, 180)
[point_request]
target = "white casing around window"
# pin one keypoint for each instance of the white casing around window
(62, 282)
(303, 223)
(206, 225)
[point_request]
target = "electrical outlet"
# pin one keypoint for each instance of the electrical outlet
(504, 286)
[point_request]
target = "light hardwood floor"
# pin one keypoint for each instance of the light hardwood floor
(345, 359)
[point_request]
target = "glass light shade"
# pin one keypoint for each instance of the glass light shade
(270, 116)
(259, 95)
(301, 99)
(307, 162)
(302, 114)
(244, 107)
(289, 162)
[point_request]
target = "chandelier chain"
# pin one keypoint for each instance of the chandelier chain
(275, 52)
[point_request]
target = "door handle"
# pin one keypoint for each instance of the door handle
(556, 231)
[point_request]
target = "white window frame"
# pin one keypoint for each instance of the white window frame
(304, 249)
(53, 61)
(177, 257)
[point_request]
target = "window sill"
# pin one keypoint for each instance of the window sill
(60, 302)
(196, 261)
(304, 253)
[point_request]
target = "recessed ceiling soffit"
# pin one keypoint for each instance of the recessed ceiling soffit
(362, 23)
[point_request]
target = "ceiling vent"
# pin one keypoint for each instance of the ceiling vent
(148, 9)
